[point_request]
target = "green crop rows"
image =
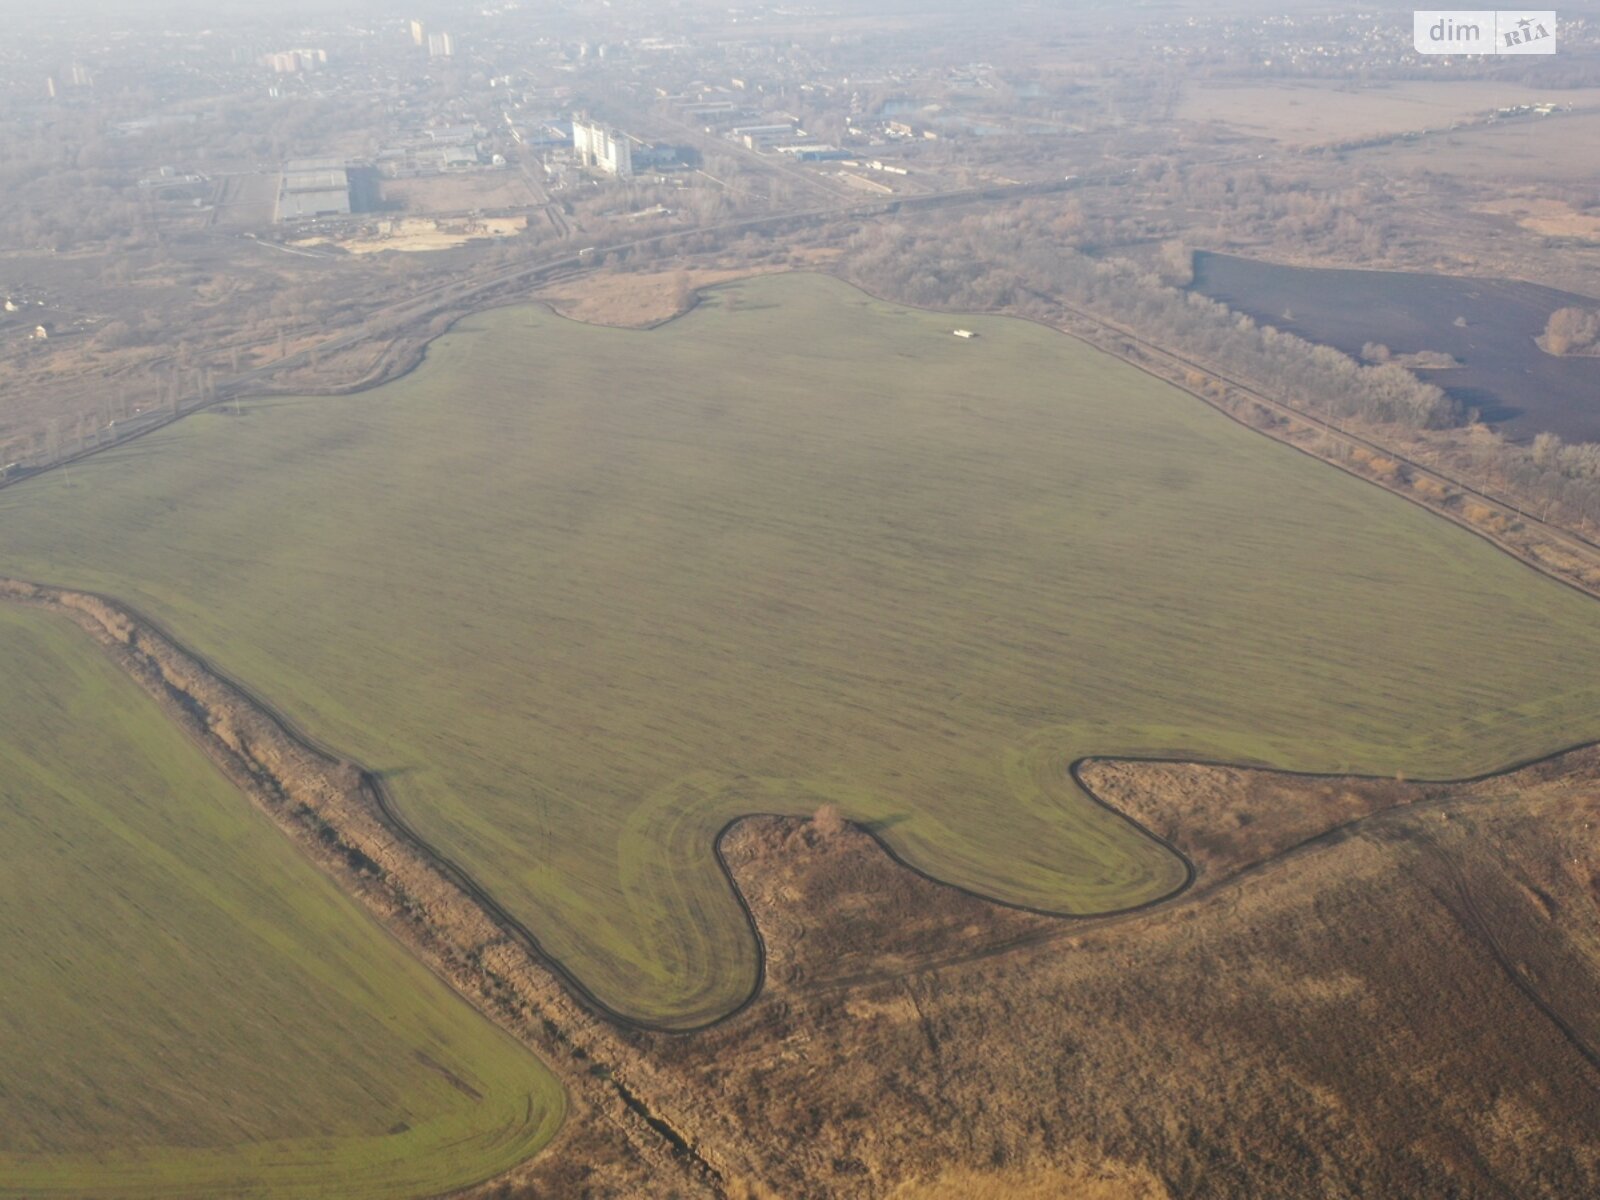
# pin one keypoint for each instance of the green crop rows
(188, 1006)
(584, 595)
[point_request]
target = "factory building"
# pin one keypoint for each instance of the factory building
(313, 187)
(759, 137)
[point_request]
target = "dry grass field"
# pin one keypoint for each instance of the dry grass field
(640, 299)
(189, 1007)
(1378, 989)
(585, 594)
(1548, 218)
(1310, 112)
(1559, 149)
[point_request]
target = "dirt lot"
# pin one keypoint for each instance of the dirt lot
(638, 300)
(411, 235)
(459, 193)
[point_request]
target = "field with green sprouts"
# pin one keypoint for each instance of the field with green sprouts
(583, 594)
(189, 1008)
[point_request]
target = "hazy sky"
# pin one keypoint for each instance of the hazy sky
(200, 12)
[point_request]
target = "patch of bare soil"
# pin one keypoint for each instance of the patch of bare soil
(412, 235)
(639, 300)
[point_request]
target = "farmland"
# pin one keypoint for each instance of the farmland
(1317, 112)
(582, 595)
(215, 1016)
(1562, 150)
(1502, 372)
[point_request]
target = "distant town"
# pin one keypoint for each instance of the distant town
(315, 161)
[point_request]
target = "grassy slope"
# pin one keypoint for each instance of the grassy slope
(188, 1006)
(587, 593)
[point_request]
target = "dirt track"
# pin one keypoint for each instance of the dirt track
(326, 804)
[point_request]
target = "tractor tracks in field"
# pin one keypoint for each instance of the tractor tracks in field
(122, 622)
(125, 624)
(1473, 920)
(344, 816)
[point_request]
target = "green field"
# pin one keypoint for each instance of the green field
(187, 1006)
(584, 594)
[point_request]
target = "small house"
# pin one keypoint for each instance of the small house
(964, 333)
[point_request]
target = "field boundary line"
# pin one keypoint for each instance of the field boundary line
(1206, 887)
(464, 297)
(442, 943)
(1507, 507)
(381, 802)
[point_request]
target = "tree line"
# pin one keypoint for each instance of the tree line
(1028, 259)
(984, 262)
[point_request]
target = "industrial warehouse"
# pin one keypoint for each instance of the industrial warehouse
(313, 187)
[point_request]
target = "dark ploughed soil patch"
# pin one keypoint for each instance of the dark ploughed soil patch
(1517, 387)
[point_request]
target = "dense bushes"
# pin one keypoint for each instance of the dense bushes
(1572, 331)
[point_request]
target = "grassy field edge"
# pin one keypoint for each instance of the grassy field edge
(434, 1150)
(121, 623)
